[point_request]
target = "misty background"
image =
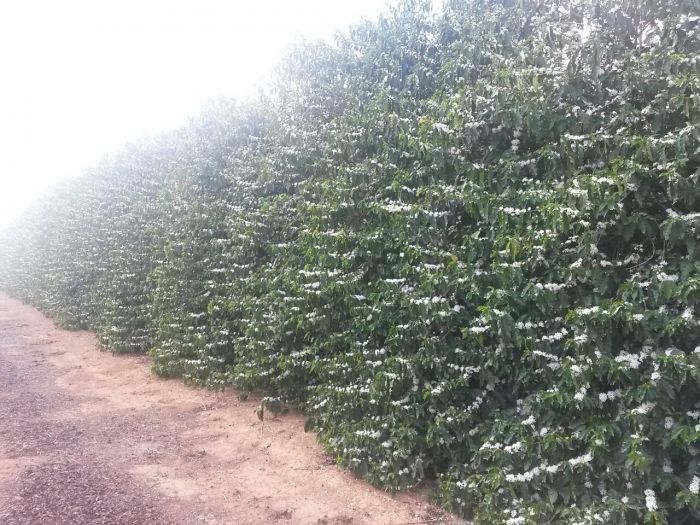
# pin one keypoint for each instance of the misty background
(82, 78)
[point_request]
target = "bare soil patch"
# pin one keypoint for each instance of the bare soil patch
(88, 437)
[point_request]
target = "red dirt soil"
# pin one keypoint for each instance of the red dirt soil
(91, 438)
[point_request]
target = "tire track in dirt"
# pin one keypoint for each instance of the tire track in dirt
(87, 437)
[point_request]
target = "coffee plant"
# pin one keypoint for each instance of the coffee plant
(464, 242)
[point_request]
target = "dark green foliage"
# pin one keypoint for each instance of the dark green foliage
(464, 243)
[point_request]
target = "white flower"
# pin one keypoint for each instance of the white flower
(694, 486)
(395, 207)
(442, 127)
(644, 408)
(368, 433)
(630, 360)
(513, 211)
(586, 458)
(515, 447)
(576, 264)
(589, 311)
(664, 277)
(668, 423)
(650, 500)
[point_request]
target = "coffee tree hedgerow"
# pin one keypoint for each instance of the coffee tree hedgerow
(463, 241)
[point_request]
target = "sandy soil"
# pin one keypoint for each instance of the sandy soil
(87, 437)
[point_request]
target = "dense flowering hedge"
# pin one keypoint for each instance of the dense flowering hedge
(464, 243)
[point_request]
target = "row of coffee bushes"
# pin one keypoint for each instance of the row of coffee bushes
(83, 254)
(464, 243)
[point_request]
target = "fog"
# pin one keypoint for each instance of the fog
(81, 78)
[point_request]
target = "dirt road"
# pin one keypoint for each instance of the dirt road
(87, 437)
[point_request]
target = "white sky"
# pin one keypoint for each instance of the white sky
(80, 78)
